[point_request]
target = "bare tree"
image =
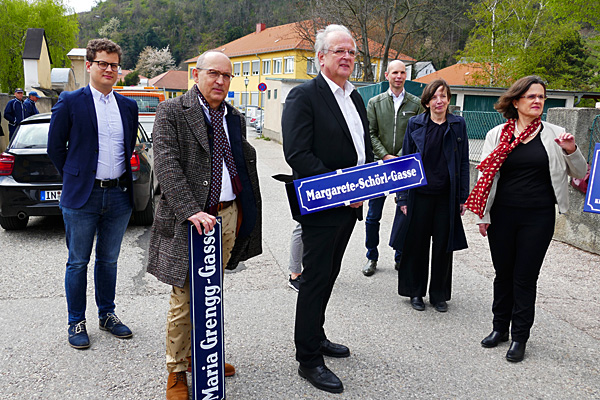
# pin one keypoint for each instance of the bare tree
(382, 28)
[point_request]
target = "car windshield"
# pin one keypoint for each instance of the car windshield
(145, 103)
(31, 136)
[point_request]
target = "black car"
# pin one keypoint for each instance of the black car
(30, 185)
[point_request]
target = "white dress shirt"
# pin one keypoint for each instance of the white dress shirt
(355, 125)
(397, 100)
(226, 188)
(111, 140)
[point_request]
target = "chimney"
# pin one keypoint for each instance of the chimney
(260, 27)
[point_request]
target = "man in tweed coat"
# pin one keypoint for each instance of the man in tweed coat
(189, 133)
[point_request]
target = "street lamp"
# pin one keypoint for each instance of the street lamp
(246, 80)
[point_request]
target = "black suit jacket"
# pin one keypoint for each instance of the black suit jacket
(316, 139)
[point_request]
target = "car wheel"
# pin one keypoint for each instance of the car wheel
(146, 216)
(13, 223)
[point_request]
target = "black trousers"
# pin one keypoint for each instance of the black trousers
(429, 226)
(519, 239)
(324, 248)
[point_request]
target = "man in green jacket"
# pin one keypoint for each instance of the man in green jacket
(388, 115)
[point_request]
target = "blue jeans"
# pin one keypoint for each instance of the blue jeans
(372, 229)
(105, 214)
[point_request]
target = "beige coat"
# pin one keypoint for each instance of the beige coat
(561, 165)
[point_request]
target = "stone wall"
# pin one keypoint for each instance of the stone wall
(577, 228)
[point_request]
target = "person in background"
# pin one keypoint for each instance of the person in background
(296, 249)
(14, 112)
(29, 104)
(524, 169)
(388, 115)
(434, 211)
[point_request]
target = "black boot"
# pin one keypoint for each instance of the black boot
(494, 338)
(516, 351)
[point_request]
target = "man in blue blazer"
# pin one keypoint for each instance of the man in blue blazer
(92, 136)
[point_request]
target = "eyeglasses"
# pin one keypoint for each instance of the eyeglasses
(214, 74)
(531, 97)
(103, 65)
(342, 52)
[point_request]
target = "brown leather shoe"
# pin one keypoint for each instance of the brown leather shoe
(229, 369)
(177, 388)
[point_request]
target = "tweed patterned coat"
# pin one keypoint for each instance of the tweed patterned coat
(183, 169)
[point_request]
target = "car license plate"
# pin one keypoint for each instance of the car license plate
(49, 195)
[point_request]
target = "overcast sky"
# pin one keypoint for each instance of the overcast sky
(80, 5)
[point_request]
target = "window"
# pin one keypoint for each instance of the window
(236, 69)
(191, 75)
(254, 98)
(277, 65)
(374, 69)
(243, 98)
(255, 67)
(275, 93)
(269, 94)
(288, 65)
(246, 68)
(311, 68)
(266, 67)
(357, 73)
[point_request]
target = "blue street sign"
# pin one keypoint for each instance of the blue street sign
(206, 308)
(592, 197)
(262, 86)
(231, 94)
(343, 187)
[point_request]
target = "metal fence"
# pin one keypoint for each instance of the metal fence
(479, 124)
(594, 137)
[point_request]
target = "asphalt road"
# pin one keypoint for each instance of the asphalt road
(397, 353)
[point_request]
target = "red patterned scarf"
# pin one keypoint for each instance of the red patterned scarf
(492, 163)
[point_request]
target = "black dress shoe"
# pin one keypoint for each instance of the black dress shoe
(494, 338)
(333, 349)
(370, 268)
(516, 352)
(417, 303)
(442, 306)
(322, 378)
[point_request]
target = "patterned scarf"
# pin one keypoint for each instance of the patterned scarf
(491, 165)
(220, 150)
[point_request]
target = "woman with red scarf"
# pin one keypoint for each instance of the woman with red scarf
(523, 175)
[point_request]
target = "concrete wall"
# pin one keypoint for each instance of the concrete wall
(44, 104)
(274, 106)
(577, 228)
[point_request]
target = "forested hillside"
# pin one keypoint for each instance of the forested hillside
(555, 39)
(191, 26)
(186, 26)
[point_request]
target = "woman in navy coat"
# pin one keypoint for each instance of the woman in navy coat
(433, 212)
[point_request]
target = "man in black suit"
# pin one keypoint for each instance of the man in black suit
(325, 128)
